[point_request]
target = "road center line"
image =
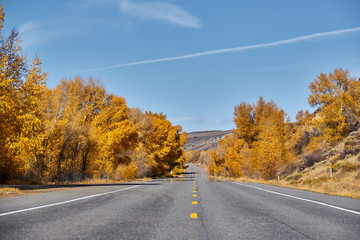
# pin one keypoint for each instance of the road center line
(302, 199)
(64, 202)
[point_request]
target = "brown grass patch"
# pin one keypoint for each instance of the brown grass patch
(6, 191)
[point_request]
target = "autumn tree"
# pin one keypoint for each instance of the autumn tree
(75, 130)
(31, 119)
(245, 122)
(163, 145)
(20, 120)
(336, 96)
(235, 156)
(301, 132)
(257, 147)
(116, 134)
(192, 156)
(204, 157)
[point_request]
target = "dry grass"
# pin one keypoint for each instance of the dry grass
(6, 191)
(104, 181)
(10, 191)
(145, 179)
(332, 187)
(344, 182)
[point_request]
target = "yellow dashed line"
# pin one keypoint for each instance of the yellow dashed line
(195, 195)
(194, 191)
(193, 215)
(194, 202)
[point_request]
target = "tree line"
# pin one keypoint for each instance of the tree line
(76, 130)
(265, 142)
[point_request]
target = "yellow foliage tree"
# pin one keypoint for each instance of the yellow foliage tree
(163, 145)
(245, 122)
(75, 130)
(116, 135)
(130, 171)
(257, 147)
(336, 95)
(20, 121)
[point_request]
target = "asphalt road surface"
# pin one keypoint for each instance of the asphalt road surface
(184, 208)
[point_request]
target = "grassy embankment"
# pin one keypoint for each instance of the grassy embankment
(345, 181)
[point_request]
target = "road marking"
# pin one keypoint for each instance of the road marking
(194, 202)
(302, 199)
(195, 195)
(194, 191)
(193, 215)
(64, 202)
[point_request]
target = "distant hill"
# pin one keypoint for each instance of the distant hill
(204, 140)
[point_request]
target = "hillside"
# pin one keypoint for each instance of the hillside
(204, 140)
(345, 160)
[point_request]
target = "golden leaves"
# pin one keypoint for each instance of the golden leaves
(336, 95)
(76, 130)
(263, 142)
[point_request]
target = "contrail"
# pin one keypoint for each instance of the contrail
(229, 50)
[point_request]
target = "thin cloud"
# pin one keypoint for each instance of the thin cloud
(42, 32)
(38, 32)
(230, 50)
(159, 11)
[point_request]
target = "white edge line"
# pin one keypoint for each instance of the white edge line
(303, 199)
(64, 202)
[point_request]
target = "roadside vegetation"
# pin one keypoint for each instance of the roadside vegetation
(8, 191)
(77, 130)
(265, 144)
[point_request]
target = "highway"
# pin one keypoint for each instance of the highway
(190, 207)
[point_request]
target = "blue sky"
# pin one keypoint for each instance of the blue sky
(192, 60)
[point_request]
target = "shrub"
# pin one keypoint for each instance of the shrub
(308, 181)
(294, 178)
(310, 159)
(130, 171)
(177, 170)
(118, 173)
